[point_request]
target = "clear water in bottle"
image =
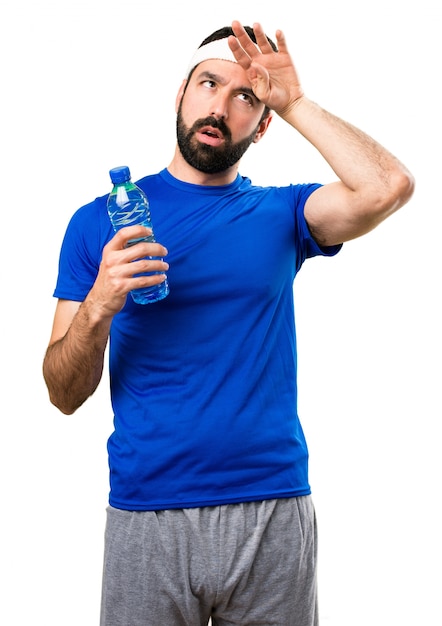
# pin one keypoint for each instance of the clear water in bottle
(128, 205)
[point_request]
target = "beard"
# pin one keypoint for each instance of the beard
(205, 158)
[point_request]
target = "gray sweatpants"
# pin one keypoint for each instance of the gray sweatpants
(249, 564)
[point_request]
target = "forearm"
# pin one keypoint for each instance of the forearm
(360, 163)
(73, 365)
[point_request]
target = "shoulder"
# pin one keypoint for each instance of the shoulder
(296, 192)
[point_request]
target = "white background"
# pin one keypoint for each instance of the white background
(87, 85)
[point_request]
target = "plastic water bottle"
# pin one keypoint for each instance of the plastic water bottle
(128, 205)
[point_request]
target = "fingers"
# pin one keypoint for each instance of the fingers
(132, 240)
(142, 249)
(124, 256)
(245, 45)
(151, 271)
(242, 58)
(261, 39)
(281, 42)
(130, 233)
(123, 269)
(139, 259)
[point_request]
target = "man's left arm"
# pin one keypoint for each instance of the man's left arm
(372, 183)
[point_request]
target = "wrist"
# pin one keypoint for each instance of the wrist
(290, 111)
(95, 315)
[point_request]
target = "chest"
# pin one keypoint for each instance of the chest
(218, 246)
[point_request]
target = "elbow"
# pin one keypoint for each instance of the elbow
(64, 408)
(395, 193)
(58, 397)
(62, 403)
(386, 200)
(404, 185)
(401, 188)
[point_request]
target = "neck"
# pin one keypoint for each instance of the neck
(180, 169)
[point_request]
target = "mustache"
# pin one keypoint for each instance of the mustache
(214, 123)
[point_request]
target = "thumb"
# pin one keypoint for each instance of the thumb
(260, 81)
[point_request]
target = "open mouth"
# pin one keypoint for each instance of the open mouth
(211, 136)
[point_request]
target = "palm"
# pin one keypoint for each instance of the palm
(272, 75)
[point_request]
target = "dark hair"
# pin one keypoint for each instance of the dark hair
(226, 31)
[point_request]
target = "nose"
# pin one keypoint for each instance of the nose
(219, 107)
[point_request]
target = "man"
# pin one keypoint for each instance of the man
(210, 510)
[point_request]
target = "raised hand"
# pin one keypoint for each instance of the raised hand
(273, 76)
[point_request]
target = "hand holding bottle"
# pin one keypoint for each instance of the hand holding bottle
(125, 267)
(128, 205)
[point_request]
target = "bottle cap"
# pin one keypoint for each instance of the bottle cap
(119, 174)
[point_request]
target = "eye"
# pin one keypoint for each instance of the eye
(210, 84)
(245, 97)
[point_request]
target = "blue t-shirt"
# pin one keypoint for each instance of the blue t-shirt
(203, 383)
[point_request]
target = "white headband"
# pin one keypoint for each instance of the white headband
(218, 49)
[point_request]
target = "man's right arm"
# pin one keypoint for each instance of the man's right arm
(73, 364)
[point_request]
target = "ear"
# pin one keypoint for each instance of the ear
(262, 128)
(180, 94)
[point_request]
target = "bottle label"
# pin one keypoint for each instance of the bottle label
(128, 213)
